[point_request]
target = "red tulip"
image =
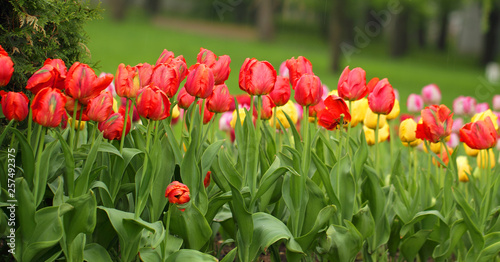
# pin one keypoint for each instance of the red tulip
(165, 57)
(267, 108)
(177, 193)
(314, 110)
(70, 107)
(243, 101)
(48, 107)
(371, 85)
(112, 127)
(179, 63)
(184, 99)
(60, 71)
(6, 67)
(352, 84)
(166, 78)
(281, 92)
(82, 84)
(207, 115)
(330, 117)
(127, 81)
(220, 100)
(479, 135)
(14, 105)
(144, 72)
(200, 81)
(297, 68)
(152, 103)
(257, 77)
(220, 67)
(100, 107)
(42, 78)
(206, 181)
(308, 90)
(437, 123)
(381, 99)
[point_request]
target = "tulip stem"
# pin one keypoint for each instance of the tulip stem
(41, 140)
(377, 149)
(93, 135)
(30, 121)
(13, 136)
(277, 146)
(201, 121)
(348, 129)
(125, 122)
(78, 127)
(139, 206)
(450, 163)
(340, 126)
(182, 130)
(71, 129)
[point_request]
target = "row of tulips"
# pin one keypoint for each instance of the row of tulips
(102, 165)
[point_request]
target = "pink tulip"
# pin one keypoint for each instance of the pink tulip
(454, 140)
(284, 70)
(431, 94)
(225, 120)
(481, 107)
(457, 124)
(464, 106)
(496, 102)
(415, 103)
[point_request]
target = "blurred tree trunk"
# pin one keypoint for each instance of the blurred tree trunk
(491, 37)
(118, 9)
(152, 6)
(398, 41)
(337, 22)
(422, 31)
(265, 20)
(443, 31)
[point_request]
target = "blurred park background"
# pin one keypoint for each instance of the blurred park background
(413, 43)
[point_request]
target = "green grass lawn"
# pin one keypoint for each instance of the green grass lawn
(136, 40)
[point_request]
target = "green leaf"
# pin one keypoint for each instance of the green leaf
(325, 177)
(190, 255)
(363, 221)
(229, 257)
(244, 221)
(69, 174)
(47, 233)
(163, 158)
(209, 155)
(346, 188)
(412, 244)
(229, 171)
(41, 173)
(129, 231)
(81, 218)
(445, 248)
(322, 220)
(28, 158)
(96, 253)
(190, 173)
(82, 183)
(216, 203)
(270, 177)
(343, 243)
(190, 225)
(360, 157)
(268, 230)
(491, 249)
(470, 219)
(418, 217)
(173, 142)
(26, 214)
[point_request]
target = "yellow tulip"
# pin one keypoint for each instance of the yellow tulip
(242, 114)
(383, 134)
(358, 111)
(115, 105)
(470, 151)
(484, 115)
(175, 112)
(483, 159)
(394, 112)
(334, 92)
(70, 123)
(407, 131)
(463, 169)
(290, 109)
(370, 120)
(435, 147)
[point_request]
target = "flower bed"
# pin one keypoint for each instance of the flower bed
(135, 169)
